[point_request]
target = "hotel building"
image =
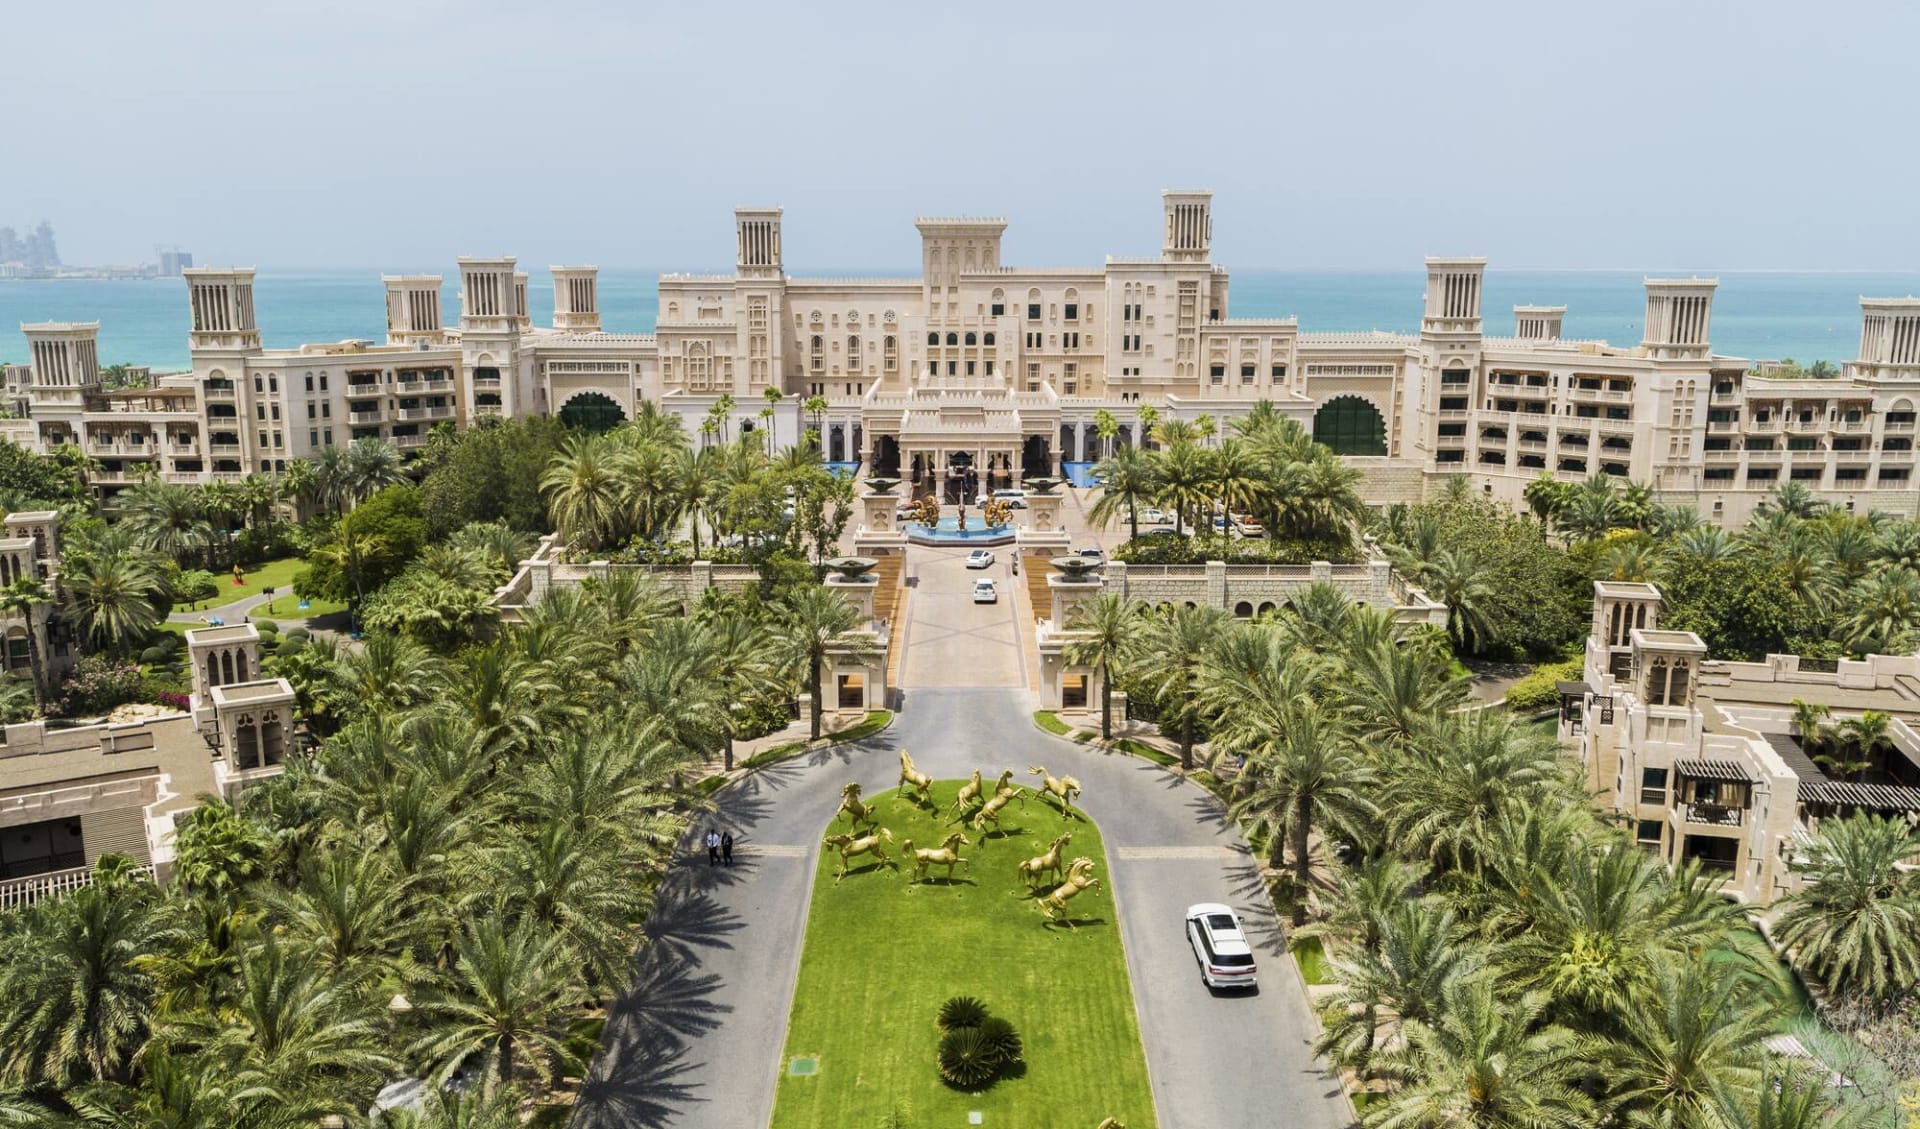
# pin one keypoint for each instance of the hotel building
(1004, 368)
(1699, 758)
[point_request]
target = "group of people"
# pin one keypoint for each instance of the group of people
(719, 847)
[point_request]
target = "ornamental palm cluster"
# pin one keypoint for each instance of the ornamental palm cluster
(454, 883)
(1500, 956)
(1269, 468)
(976, 1047)
(645, 484)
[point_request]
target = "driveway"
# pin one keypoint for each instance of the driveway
(697, 1044)
(950, 640)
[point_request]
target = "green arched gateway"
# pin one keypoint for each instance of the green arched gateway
(592, 411)
(1350, 425)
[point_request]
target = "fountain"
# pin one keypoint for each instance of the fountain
(1075, 568)
(959, 530)
(854, 569)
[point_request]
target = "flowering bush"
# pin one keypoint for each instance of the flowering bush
(98, 684)
(173, 700)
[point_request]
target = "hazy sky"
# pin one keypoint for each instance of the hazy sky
(396, 133)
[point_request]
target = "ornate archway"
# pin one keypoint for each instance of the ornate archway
(592, 411)
(1349, 425)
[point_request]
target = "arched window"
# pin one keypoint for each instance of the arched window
(989, 340)
(889, 354)
(933, 339)
(817, 354)
(853, 353)
(971, 339)
(953, 339)
(1243, 610)
(1350, 425)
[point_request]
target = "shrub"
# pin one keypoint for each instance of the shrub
(297, 635)
(1538, 690)
(155, 655)
(966, 1060)
(1002, 1040)
(98, 684)
(266, 627)
(961, 1011)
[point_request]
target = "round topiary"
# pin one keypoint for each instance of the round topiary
(966, 1060)
(961, 1011)
(1002, 1039)
(267, 626)
(155, 655)
(297, 635)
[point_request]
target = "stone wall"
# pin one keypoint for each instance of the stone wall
(1251, 589)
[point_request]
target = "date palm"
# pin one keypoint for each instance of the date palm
(372, 466)
(1418, 949)
(355, 554)
(1855, 922)
(1325, 497)
(513, 987)
(1693, 1047)
(112, 598)
(586, 491)
(20, 598)
(1181, 642)
(810, 625)
(1106, 637)
(1886, 612)
(1486, 1063)
(1458, 579)
(576, 883)
(167, 519)
(77, 986)
(1129, 481)
(1442, 796)
(1305, 773)
(741, 664)
(350, 914)
(1184, 474)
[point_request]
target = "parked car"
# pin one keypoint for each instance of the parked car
(1247, 527)
(1154, 515)
(1015, 498)
(985, 593)
(1094, 553)
(1220, 945)
(980, 558)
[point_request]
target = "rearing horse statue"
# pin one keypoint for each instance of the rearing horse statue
(853, 809)
(969, 794)
(1079, 877)
(1035, 868)
(912, 777)
(1062, 788)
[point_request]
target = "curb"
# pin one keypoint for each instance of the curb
(741, 772)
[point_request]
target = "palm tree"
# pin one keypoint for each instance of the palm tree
(112, 598)
(812, 624)
(355, 553)
(1180, 643)
(741, 663)
(1456, 578)
(1855, 921)
(1886, 612)
(1418, 950)
(1860, 738)
(1792, 498)
(1128, 482)
(75, 996)
(1485, 1063)
(1107, 428)
(585, 491)
(1148, 417)
(1106, 635)
(372, 466)
(1441, 799)
(1591, 512)
(513, 987)
(578, 883)
(1184, 482)
(1305, 772)
(332, 478)
(816, 409)
(1697, 1041)
(350, 914)
(167, 519)
(20, 598)
(1707, 542)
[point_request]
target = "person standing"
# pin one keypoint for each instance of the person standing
(713, 847)
(726, 848)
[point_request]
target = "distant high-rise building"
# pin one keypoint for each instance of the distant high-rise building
(173, 262)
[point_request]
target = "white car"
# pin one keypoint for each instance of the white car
(1015, 498)
(980, 558)
(1219, 944)
(985, 593)
(1154, 515)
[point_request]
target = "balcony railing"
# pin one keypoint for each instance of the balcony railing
(1722, 426)
(17, 892)
(218, 391)
(409, 442)
(365, 417)
(1715, 815)
(1900, 428)
(422, 413)
(486, 409)
(223, 448)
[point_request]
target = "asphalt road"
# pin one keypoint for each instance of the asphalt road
(697, 1044)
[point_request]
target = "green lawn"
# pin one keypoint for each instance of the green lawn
(881, 957)
(277, 574)
(1312, 955)
(285, 609)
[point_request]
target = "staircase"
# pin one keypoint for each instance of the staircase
(1035, 568)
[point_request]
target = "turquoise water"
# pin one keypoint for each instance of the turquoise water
(1805, 316)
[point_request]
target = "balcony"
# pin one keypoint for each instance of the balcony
(1724, 426)
(217, 391)
(1715, 815)
(228, 475)
(1723, 456)
(366, 417)
(1533, 444)
(1617, 396)
(1730, 396)
(486, 383)
(1904, 427)
(18, 892)
(1453, 413)
(1896, 456)
(223, 448)
(413, 386)
(487, 409)
(409, 442)
(442, 412)
(181, 477)
(1852, 426)
(1764, 426)
(1807, 426)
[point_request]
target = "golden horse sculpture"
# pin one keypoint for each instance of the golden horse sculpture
(853, 809)
(1062, 788)
(1079, 877)
(1111, 1123)
(1005, 785)
(990, 811)
(850, 847)
(913, 777)
(947, 854)
(969, 793)
(1036, 868)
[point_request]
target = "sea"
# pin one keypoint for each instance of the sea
(1756, 314)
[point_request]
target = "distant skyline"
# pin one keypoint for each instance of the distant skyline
(1630, 135)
